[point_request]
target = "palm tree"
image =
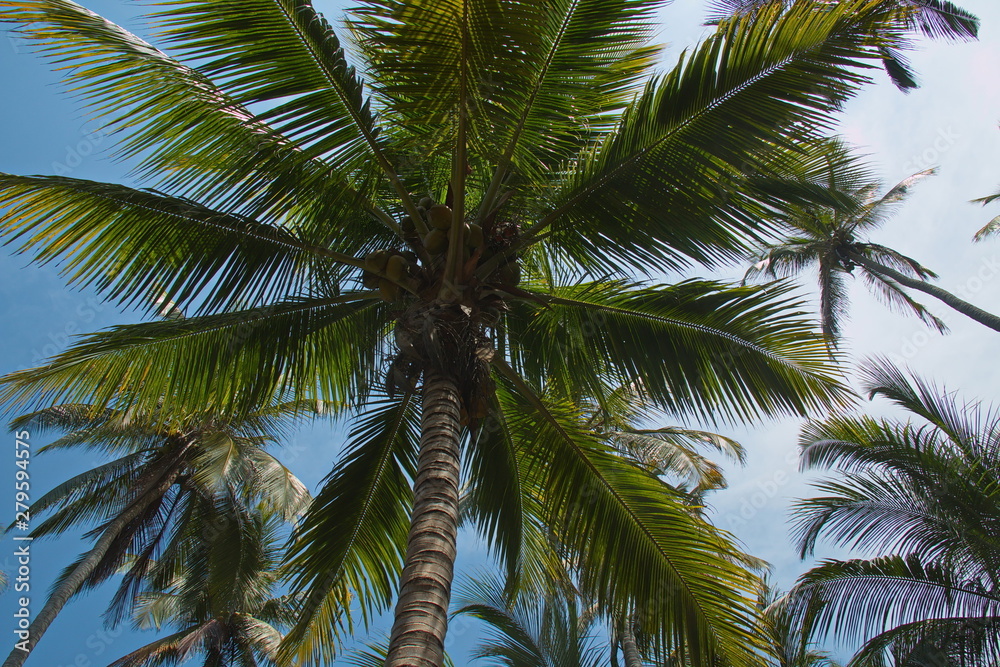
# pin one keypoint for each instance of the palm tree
(922, 497)
(434, 238)
(835, 241)
(789, 640)
(220, 595)
(162, 484)
(556, 630)
(670, 452)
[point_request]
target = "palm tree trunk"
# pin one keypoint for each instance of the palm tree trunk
(159, 482)
(421, 621)
(629, 648)
(978, 314)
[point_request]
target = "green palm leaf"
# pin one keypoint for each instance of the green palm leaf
(639, 546)
(667, 170)
(282, 52)
(354, 535)
(135, 245)
(186, 132)
(698, 347)
(233, 361)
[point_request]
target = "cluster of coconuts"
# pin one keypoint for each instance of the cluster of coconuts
(438, 218)
(398, 267)
(386, 270)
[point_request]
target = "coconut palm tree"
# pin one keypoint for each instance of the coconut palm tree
(434, 237)
(556, 630)
(920, 496)
(162, 484)
(221, 595)
(790, 640)
(675, 453)
(835, 240)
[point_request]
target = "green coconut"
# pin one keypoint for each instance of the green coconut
(388, 289)
(509, 274)
(396, 268)
(376, 261)
(440, 216)
(436, 241)
(474, 236)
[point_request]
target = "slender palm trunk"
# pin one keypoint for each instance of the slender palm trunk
(425, 586)
(159, 481)
(629, 648)
(978, 314)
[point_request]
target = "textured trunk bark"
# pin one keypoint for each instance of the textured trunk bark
(629, 648)
(978, 314)
(158, 484)
(421, 620)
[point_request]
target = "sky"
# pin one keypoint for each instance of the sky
(949, 123)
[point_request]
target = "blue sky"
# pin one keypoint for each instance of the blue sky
(951, 123)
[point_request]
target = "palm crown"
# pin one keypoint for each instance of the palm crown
(834, 238)
(169, 483)
(831, 238)
(920, 497)
(221, 597)
(452, 239)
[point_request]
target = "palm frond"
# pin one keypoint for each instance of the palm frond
(861, 596)
(991, 229)
(186, 132)
(166, 651)
(944, 641)
(699, 348)
(233, 362)
(666, 175)
(896, 298)
(354, 535)
(287, 56)
(638, 545)
(135, 245)
(875, 212)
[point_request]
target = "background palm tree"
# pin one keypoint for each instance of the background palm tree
(165, 483)
(835, 240)
(790, 640)
(923, 496)
(453, 242)
(558, 629)
(221, 596)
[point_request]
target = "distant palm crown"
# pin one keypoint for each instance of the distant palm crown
(920, 497)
